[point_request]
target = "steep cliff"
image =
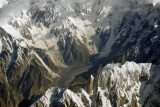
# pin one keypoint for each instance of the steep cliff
(130, 84)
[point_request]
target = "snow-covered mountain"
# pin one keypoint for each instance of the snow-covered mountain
(99, 27)
(45, 43)
(130, 84)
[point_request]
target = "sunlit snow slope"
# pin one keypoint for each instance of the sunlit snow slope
(45, 42)
(130, 84)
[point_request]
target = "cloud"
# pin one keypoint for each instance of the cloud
(3, 2)
(13, 8)
(127, 2)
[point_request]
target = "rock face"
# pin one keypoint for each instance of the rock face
(121, 85)
(63, 98)
(90, 84)
(130, 84)
(49, 37)
(22, 72)
(132, 36)
(98, 28)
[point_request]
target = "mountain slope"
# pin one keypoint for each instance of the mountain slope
(101, 28)
(44, 43)
(18, 69)
(129, 84)
(133, 36)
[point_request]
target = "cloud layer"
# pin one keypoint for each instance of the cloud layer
(14, 7)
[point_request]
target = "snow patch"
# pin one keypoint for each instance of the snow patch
(92, 77)
(12, 31)
(155, 2)
(64, 96)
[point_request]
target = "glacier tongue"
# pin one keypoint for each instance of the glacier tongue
(130, 84)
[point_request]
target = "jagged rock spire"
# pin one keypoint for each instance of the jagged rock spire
(90, 84)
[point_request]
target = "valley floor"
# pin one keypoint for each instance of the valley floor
(67, 75)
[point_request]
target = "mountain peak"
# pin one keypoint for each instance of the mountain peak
(130, 84)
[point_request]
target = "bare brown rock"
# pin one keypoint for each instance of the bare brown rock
(90, 85)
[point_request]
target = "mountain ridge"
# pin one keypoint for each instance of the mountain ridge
(129, 84)
(47, 40)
